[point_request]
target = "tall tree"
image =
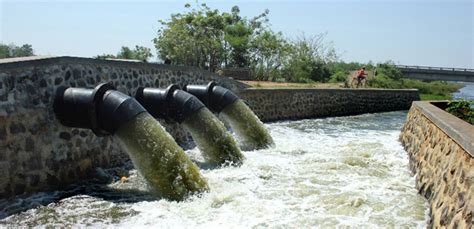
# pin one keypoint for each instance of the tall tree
(269, 53)
(205, 38)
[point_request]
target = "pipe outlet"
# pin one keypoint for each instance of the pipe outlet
(215, 97)
(102, 109)
(170, 103)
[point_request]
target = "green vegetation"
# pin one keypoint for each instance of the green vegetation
(139, 53)
(208, 39)
(390, 77)
(11, 50)
(434, 97)
(462, 109)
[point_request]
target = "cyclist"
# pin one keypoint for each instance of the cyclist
(360, 76)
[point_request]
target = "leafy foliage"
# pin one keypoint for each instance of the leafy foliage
(462, 109)
(139, 53)
(308, 59)
(390, 77)
(9, 51)
(208, 39)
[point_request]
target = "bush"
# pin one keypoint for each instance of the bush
(434, 88)
(389, 70)
(462, 109)
(339, 76)
(383, 81)
(390, 77)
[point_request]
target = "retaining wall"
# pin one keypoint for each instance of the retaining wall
(38, 153)
(441, 151)
(280, 104)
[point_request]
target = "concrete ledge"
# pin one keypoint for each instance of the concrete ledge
(459, 130)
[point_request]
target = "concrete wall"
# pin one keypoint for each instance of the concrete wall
(441, 151)
(278, 104)
(38, 153)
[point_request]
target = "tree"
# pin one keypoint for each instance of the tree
(205, 38)
(9, 51)
(194, 38)
(309, 59)
(269, 53)
(4, 51)
(139, 53)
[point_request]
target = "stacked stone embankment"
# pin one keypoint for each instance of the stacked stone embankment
(281, 104)
(37, 153)
(441, 152)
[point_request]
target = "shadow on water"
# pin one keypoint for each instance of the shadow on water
(98, 187)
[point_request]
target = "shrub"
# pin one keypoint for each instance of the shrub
(383, 81)
(339, 76)
(462, 109)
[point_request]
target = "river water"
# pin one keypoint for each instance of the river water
(467, 92)
(332, 172)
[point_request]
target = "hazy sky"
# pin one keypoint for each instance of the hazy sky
(417, 32)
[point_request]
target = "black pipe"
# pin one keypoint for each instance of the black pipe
(215, 97)
(170, 103)
(102, 109)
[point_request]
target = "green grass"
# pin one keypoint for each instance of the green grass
(434, 97)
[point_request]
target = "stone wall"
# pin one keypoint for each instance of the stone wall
(237, 73)
(441, 151)
(38, 153)
(280, 104)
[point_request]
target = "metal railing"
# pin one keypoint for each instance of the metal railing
(434, 68)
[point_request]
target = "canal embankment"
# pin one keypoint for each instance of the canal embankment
(441, 152)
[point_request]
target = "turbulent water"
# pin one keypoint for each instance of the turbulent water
(159, 159)
(216, 144)
(333, 172)
(248, 128)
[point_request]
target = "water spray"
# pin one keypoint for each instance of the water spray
(106, 111)
(248, 128)
(216, 144)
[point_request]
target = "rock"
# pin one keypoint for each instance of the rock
(65, 135)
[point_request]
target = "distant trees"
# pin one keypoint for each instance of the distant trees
(205, 38)
(11, 50)
(139, 53)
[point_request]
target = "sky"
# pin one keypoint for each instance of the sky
(411, 32)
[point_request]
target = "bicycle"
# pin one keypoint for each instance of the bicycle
(357, 81)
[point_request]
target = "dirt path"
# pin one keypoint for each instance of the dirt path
(267, 84)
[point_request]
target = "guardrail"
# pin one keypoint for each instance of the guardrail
(434, 68)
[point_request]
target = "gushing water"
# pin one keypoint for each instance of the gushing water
(211, 137)
(333, 172)
(164, 165)
(249, 129)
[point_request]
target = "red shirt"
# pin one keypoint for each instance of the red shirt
(361, 73)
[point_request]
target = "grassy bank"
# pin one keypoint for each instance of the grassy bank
(390, 77)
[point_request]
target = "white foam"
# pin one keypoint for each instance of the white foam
(335, 172)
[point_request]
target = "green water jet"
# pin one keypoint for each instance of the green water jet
(165, 166)
(211, 137)
(250, 130)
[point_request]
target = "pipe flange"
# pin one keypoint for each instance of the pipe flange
(97, 96)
